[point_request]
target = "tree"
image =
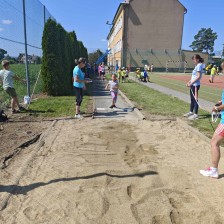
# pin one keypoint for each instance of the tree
(51, 61)
(93, 57)
(2, 53)
(60, 49)
(204, 40)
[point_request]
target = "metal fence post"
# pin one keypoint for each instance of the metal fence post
(44, 14)
(26, 53)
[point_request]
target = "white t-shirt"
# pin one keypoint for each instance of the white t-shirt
(198, 68)
(7, 78)
(113, 85)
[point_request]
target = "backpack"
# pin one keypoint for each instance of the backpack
(3, 116)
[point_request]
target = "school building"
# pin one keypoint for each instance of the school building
(149, 32)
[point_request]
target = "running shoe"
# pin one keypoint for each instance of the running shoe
(209, 173)
(15, 111)
(188, 114)
(78, 116)
(22, 108)
(112, 106)
(193, 117)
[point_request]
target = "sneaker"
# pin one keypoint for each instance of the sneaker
(78, 116)
(188, 114)
(112, 106)
(209, 173)
(193, 117)
(22, 108)
(15, 111)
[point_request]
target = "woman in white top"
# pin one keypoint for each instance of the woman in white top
(194, 85)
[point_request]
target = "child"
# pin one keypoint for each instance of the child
(7, 77)
(119, 74)
(127, 74)
(123, 74)
(152, 68)
(146, 77)
(216, 141)
(113, 83)
(138, 73)
(213, 73)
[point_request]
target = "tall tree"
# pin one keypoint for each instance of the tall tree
(93, 57)
(60, 48)
(204, 40)
(52, 60)
(2, 53)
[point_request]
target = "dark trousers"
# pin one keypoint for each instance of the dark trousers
(194, 94)
(79, 96)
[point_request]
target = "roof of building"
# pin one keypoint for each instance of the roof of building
(116, 14)
(119, 10)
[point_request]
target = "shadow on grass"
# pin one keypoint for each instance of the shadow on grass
(39, 111)
(14, 189)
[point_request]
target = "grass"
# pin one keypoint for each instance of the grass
(44, 107)
(156, 103)
(206, 92)
(57, 106)
(21, 90)
(63, 106)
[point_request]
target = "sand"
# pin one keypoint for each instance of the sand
(117, 172)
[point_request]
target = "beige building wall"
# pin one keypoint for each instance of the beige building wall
(115, 39)
(152, 24)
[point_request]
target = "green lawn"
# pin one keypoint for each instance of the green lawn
(206, 92)
(156, 103)
(47, 106)
(57, 106)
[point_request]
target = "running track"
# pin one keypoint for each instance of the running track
(218, 81)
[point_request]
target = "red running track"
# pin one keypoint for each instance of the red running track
(218, 80)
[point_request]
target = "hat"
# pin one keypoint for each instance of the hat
(5, 62)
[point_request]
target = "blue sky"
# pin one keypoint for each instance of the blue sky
(88, 18)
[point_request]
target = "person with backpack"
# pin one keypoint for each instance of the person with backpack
(7, 78)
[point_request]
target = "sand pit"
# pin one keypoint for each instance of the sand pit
(119, 172)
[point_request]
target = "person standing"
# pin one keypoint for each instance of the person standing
(7, 77)
(194, 85)
(102, 72)
(152, 67)
(127, 74)
(79, 85)
(123, 74)
(99, 70)
(216, 141)
(213, 73)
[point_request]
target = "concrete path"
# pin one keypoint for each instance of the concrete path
(204, 104)
(103, 100)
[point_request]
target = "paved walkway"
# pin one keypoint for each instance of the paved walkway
(103, 100)
(204, 104)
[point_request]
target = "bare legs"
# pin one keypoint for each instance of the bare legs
(215, 149)
(14, 103)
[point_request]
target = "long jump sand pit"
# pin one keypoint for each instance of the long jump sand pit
(121, 172)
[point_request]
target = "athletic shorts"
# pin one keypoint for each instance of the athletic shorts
(220, 130)
(102, 73)
(11, 92)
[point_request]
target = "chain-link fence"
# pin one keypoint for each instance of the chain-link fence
(17, 16)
